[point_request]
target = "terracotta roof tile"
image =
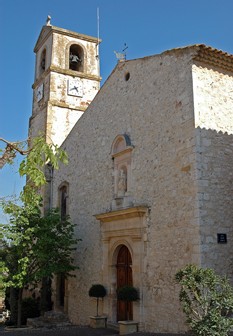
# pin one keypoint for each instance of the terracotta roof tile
(209, 55)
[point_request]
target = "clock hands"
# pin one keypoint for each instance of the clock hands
(74, 88)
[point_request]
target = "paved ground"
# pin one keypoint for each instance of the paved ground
(71, 331)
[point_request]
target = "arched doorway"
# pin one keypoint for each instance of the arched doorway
(124, 277)
(60, 291)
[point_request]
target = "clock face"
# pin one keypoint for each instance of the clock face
(40, 92)
(75, 87)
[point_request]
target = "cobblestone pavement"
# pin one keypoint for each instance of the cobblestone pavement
(72, 331)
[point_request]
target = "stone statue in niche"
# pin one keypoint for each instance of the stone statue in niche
(122, 183)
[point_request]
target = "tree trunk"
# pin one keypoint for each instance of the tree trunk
(127, 308)
(19, 307)
(97, 306)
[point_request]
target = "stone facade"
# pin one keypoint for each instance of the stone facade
(150, 168)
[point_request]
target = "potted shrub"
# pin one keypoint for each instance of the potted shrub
(127, 294)
(97, 291)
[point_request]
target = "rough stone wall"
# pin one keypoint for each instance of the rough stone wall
(214, 134)
(62, 119)
(48, 46)
(155, 108)
(37, 123)
(59, 88)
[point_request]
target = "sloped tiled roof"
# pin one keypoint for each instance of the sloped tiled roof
(215, 57)
(209, 55)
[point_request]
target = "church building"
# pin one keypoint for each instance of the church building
(149, 183)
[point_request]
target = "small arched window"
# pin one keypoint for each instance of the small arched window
(76, 58)
(63, 194)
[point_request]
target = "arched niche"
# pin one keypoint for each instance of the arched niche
(121, 152)
(121, 143)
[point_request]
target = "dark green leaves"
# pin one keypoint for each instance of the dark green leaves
(40, 154)
(127, 293)
(97, 291)
(207, 301)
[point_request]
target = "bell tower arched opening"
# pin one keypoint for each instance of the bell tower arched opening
(76, 58)
(43, 61)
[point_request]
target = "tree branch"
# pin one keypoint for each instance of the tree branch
(10, 151)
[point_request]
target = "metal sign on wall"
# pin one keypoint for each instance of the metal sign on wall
(222, 238)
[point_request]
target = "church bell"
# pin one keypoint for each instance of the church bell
(74, 59)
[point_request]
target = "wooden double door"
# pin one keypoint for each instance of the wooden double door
(124, 277)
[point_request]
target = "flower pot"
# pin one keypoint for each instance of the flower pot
(98, 322)
(127, 327)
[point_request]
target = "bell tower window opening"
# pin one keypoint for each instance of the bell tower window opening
(43, 61)
(76, 56)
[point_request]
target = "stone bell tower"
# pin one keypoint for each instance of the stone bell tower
(67, 78)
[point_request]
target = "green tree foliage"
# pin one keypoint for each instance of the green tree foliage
(207, 301)
(37, 153)
(3, 253)
(127, 293)
(37, 246)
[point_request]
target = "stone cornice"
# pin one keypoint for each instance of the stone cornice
(135, 233)
(41, 78)
(66, 72)
(138, 211)
(127, 150)
(74, 34)
(73, 73)
(64, 105)
(49, 30)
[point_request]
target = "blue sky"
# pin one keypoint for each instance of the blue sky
(147, 27)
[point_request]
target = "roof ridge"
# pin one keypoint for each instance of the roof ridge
(207, 54)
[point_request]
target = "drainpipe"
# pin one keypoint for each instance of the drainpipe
(50, 181)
